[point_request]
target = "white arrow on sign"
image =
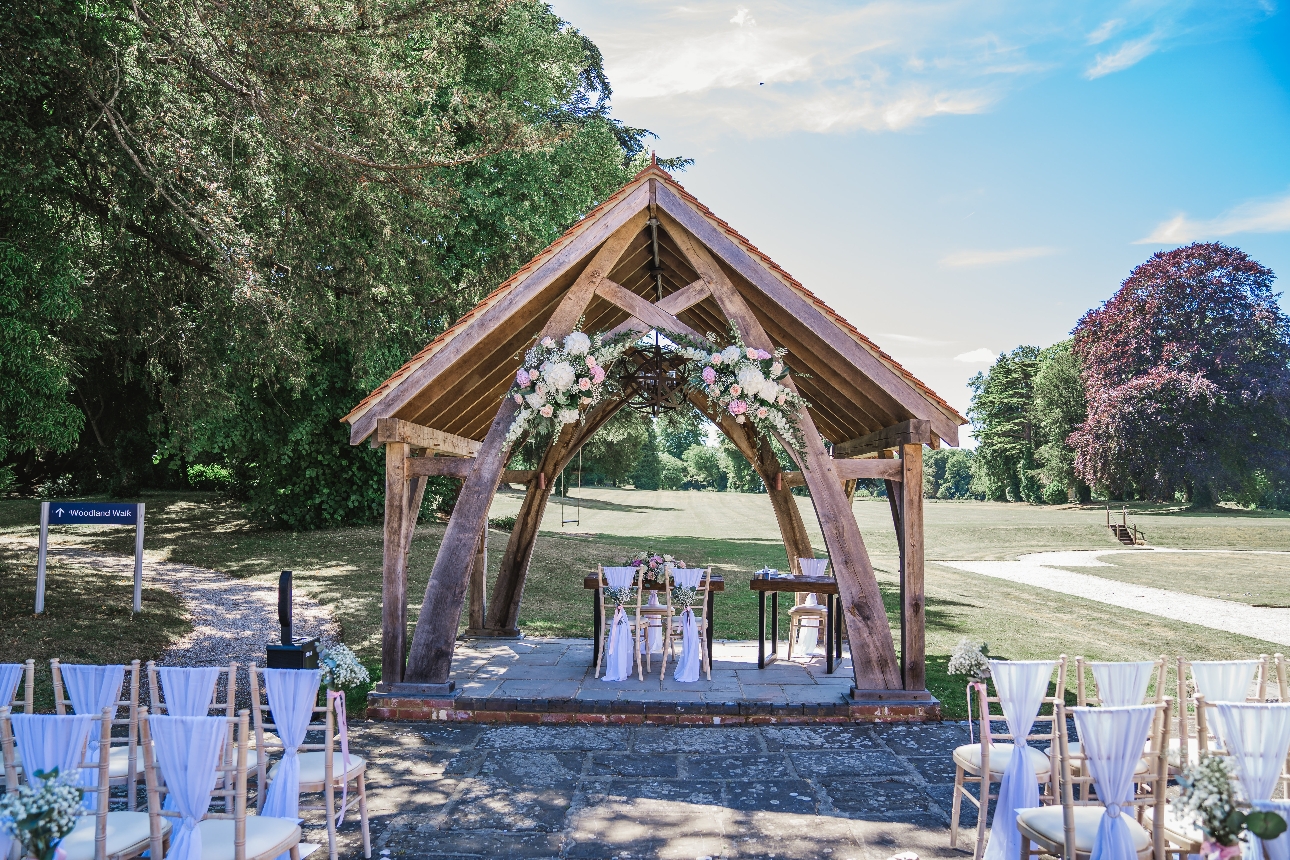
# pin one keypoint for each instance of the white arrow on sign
(59, 512)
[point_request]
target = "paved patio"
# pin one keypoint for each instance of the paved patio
(824, 791)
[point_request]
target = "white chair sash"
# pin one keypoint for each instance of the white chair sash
(1021, 686)
(1224, 680)
(1112, 740)
(10, 675)
(188, 750)
(91, 689)
(652, 640)
(1121, 685)
(618, 653)
(1257, 736)
(292, 693)
(1279, 848)
(48, 741)
(188, 692)
(812, 566)
(687, 667)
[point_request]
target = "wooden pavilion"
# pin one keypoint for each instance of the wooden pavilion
(650, 257)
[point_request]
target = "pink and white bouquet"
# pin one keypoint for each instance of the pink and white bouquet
(559, 382)
(748, 384)
(653, 564)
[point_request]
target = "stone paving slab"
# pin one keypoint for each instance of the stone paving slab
(445, 790)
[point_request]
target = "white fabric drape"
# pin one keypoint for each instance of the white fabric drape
(1021, 686)
(292, 694)
(188, 749)
(687, 668)
(188, 692)
(1279, 848)
(1120, 685)
(1257, 736)
(813, 566)
(10, 674)
(48, 741)
(618, 653)
(91, 689)
(1112, 740)
(1224, 680)
(652, 641)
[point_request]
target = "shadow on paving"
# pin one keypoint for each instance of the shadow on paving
(465, 791)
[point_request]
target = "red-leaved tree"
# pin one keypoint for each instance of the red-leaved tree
(1187, 373)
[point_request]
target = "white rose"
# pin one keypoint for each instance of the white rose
(535, 400)
(731, 354)
(750, 379)
(560, 375)
(568, 416)
(577, 343)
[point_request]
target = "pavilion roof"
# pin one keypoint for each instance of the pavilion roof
(455, 383)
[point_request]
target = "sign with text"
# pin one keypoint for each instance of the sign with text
(90, 513)
(100, 513)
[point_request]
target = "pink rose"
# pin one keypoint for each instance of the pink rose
(716, 358)
(591, 360)
(737, 407)
(751, 353)
(776, 368)
(709, 375)
(521, 377)
(714, 391)
(519, 398)
(533, 374)
(739, 419)
(584, 383)
(780, 400)
(548, 342)
(547, 411)
(762, 412)
(541, 388)
(597, 375)
(735, 390)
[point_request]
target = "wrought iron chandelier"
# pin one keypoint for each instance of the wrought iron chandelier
(658, 380)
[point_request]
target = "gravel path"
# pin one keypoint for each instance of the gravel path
(233, 619)
(1039, 570)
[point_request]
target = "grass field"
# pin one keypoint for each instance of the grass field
(736, 533)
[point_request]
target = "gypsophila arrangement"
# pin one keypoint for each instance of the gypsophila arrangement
(652, 564)
(1209, 801)
(747, 383)
(969, 658)
(38, 818)
(685, 596)
(341, 669)
(559, 382)
(620, 596)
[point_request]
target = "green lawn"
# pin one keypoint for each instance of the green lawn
(736, 533)
(1256, 578)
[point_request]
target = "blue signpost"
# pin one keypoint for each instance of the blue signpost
(90, 513)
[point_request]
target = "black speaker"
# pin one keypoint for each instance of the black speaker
(292, 653)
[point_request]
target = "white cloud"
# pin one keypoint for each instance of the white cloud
(1128, 54)
(1253, 216)
(977, 356)
(965, 259)
(777, 66)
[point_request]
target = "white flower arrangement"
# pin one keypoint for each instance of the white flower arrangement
(685, 596)
(620, 596)
(969, 658)
(558, 382)
(341, 669)
(1209, 800)
(39, 818)
(748, 384)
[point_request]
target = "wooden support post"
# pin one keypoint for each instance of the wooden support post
(394, 571)
(478, 586)
(913, 647)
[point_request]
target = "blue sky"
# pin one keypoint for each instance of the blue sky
(960, 178)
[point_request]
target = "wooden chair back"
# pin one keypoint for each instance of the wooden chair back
(1076, 784)
(24, 695)
(1190, 708)
(267, 739)
(100, 789)
(1083, 671)
(1043, 729)
(227, 773)
(700, 606)
(130, 701)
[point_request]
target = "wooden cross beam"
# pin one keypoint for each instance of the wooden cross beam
(398, 430)
(915, 431)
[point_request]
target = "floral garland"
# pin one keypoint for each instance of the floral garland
(40, 818)
(654, 564)
(559, 381)
(748, 384)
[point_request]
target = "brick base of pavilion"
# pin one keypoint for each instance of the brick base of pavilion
(550, 681)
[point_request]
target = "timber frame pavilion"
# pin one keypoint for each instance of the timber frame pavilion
(445, 413)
